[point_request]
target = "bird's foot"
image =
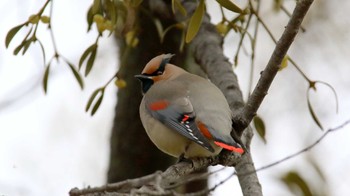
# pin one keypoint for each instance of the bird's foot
(183, 159)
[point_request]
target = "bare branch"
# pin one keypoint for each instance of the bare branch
(208, 52)
(269, 73)
(306, 148)
(177, 172)
(123, 186)
(284, 9)
(160, 181)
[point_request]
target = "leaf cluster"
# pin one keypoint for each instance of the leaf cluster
(33, 23)
(118, 17)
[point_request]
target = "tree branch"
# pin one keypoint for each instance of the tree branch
(172, 174)
(270, 71)
(123, 186)
(207, 47)
(161, 183)
(208, 52)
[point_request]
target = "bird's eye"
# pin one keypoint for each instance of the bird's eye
(159, 72)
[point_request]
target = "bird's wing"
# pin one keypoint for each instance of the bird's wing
(179, 116)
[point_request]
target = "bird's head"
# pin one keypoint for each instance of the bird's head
(156, 70)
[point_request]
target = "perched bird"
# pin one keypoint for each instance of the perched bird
(184, 114)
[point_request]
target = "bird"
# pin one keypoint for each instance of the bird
(184, 115)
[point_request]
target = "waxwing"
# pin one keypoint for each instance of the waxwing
(184, 115)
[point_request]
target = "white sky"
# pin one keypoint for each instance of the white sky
(48, 144)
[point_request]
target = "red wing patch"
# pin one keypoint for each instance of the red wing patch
(230, 148)
(158, 105)
(185, 118)
(204, 130)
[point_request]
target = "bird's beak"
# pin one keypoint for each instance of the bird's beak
(143, 77)
(146, 82)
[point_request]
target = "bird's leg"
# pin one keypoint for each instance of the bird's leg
(183, 159)
(238, 140)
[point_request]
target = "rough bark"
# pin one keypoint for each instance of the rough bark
(207, 47)
(208, 52)
(132, 153)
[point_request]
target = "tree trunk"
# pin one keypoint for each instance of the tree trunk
(132, 153)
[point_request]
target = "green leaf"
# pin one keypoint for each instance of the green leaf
(91, 99)
(76, 75)
(46, 77)
(159, 28)
(136, 3)
(277, 5)
(176, 4)
(90, 62)
(334, 93)
(260, 127)
(230, 6)
(86, 53)
(26, 46)
(112, 11)
(292, 179)
(89, 18)
(42, 50)
(96, 7)
(25, 43)
(97, 104)
(313, 114)
(11, 33)
(19, 48)
(195, 22)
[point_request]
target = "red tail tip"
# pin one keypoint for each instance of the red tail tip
(230, 148)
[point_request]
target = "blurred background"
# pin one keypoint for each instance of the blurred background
(48, 144)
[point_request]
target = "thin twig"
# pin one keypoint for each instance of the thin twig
(270, 71)
(241, 40)
(250, 85)
(312, 145)
(275, 41)
(51, 32)
(299, 70)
